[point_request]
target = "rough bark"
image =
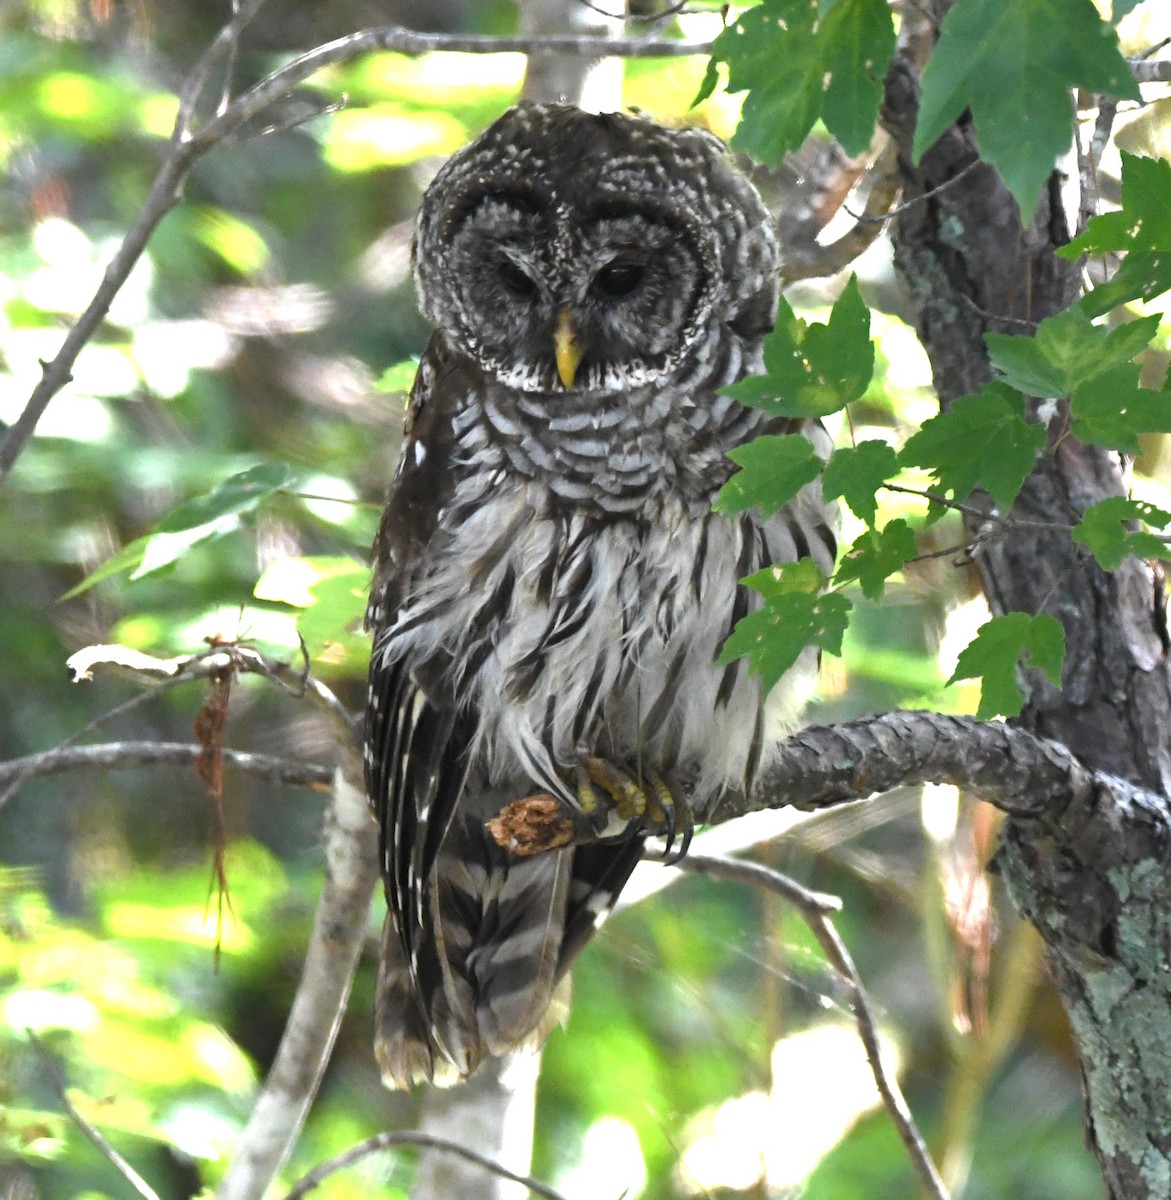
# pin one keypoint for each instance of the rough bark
(1092, 875)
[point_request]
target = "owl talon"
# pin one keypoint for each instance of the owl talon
(676, 817)
(646, 800)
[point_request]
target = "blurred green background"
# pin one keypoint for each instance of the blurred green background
(271, 328)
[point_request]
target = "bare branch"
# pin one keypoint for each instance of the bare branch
(399, 1137)
(815, 261)
(214, 661)
(332, 954)
(119, 756)
(1146, 71)
(892, 1096)
(815, 908)
(207, 664)
(224, 45)
(15, 781)
(188, 146)
(57, 1082)
(720, 866)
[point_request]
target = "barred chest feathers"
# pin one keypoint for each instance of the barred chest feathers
(578, 627)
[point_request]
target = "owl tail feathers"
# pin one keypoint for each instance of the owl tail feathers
(489, 977)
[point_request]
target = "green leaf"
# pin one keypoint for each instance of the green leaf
(211, 515)
(1112, 409)
(781, 106)
(876, 556)
(125, 559)
(773, 470)
(709, 83)
(398, 377)
(1121, 8)
(1103, 531)
(981, 441)
(237, 494)
(857, 472)
(332, 591)
(201, 519)
(813, 370)
(1024, 366)
(1142, 228)
(994, 653)
(794, 615)
(1067, 350)
(1014, 64)
(835, 58)
(857, 39)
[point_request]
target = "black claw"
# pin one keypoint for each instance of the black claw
(668, 831)
(670, 859)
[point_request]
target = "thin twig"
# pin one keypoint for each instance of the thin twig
(981, 514)
(927, 195)
(15, 780)
(400, 1137)
(57, 1082)
(818, 260)
(187, 146)
(755, 875)
(121, 756)
(815, 909)
(679, 9)
(409, 41)
(1090, 157)
(895, 1102)
(230, 67)
(223, 44)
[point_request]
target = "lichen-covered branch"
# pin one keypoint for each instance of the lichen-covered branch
(1030, 778)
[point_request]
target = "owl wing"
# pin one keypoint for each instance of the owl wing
(417, 732)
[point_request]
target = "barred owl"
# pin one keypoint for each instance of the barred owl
(552, 588)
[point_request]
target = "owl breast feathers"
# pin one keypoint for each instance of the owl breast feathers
(552, 587)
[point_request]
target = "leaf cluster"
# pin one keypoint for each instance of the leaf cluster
(988, 442)
(1013, 64)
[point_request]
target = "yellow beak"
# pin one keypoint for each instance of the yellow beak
(567, 347)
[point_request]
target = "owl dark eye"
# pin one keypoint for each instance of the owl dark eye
(515, 279)
(619, 278)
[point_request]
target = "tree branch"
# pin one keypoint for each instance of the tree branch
(120, 756)
(57, 1082)
(188, 146)
(1146, 71)
(214, 661)
(815, 910)
(1026, 776)
(338, 927)
(406, 1137)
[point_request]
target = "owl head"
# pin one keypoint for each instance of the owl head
(568, 250)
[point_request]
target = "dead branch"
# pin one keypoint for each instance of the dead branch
(121, 756)
(57, 1083)
(815, 909)
(351, 873)
(188, 145)
(401, 1137)
(212, 663)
